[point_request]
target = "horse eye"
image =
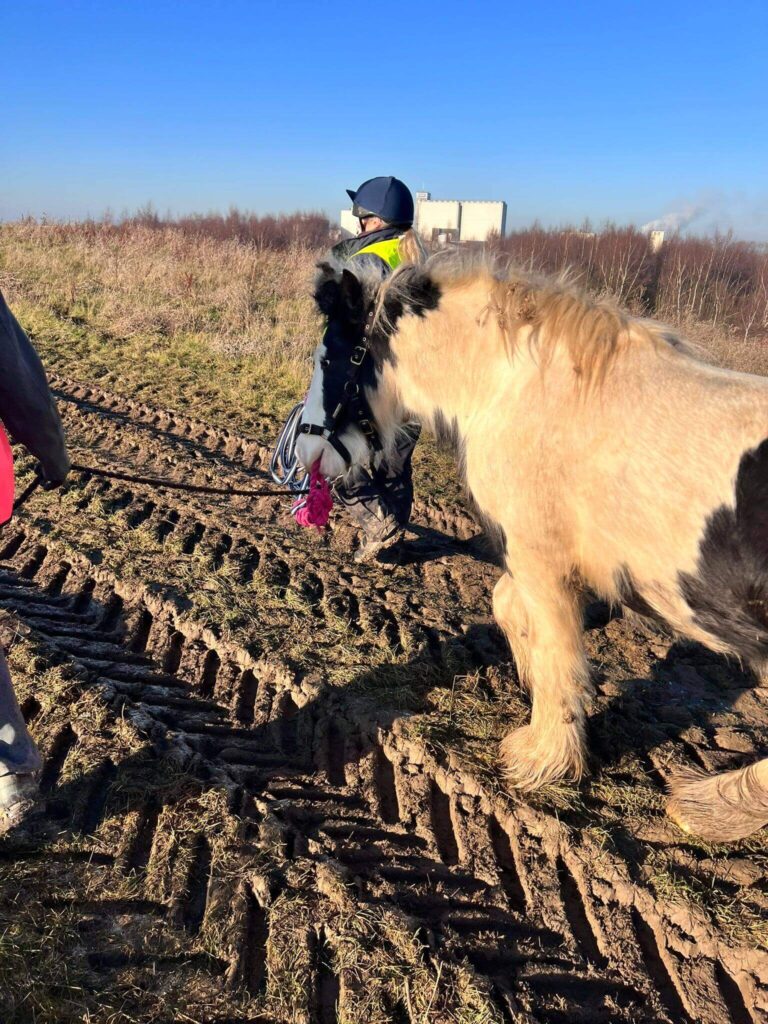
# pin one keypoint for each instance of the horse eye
(325, 363)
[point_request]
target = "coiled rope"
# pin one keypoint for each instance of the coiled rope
(284, 465)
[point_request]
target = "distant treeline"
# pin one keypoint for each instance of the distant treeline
(281, 231)
(717, 280)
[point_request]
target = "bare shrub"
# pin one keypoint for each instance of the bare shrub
(716, 280)
(281, 231)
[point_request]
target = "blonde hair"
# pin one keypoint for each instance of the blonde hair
(412, 248)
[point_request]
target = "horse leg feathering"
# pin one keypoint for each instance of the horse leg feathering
(722, 807)
(542, 623)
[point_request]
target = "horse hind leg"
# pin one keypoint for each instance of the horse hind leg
(723, 807)
(543, 624)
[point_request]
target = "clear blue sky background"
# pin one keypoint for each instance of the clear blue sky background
(622, 111)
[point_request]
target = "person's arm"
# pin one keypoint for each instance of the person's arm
(27, 407)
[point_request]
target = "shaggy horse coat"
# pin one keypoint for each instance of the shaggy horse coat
(604, 454)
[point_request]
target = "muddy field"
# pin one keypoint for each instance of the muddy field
(270, 783)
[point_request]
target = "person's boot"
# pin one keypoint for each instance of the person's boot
(19, 796)
(386, 539)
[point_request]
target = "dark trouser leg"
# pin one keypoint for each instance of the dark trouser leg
(19, 757)
(380, 502)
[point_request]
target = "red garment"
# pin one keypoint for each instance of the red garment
(6, 478)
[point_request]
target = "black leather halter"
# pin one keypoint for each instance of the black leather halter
(352, 401)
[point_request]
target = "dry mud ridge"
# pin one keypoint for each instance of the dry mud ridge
(234, 830)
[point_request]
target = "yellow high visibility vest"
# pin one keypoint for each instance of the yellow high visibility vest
(388, 250)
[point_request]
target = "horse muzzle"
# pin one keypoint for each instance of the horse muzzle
(310, 448)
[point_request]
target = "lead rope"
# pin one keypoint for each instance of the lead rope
(281, 473)
(176, 485)
(153, 481)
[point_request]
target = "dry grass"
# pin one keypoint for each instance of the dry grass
(727, 348)
(187, 321)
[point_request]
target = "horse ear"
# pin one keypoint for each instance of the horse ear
(326, 288)
(351, 292)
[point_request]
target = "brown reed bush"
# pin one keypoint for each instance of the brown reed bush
(282, 231)
(718, 281)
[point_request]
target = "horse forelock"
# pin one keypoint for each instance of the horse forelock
(333, 284)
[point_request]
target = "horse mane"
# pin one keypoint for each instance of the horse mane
(559, 313)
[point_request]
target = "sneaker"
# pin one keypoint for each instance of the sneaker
(19, 795)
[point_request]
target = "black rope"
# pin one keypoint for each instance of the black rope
(175, 485)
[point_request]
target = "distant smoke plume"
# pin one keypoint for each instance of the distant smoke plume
(675, 221)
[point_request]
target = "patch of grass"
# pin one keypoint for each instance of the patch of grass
(210, 327)
(730, 907)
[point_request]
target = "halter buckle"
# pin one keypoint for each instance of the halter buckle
(358, 355)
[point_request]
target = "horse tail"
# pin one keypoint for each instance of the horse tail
(721, 807)
(412, 248)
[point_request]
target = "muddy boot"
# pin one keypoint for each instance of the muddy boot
(380, 502)
(19, 798)
(375, 543)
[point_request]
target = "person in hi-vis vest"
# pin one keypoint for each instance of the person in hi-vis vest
(380, 502)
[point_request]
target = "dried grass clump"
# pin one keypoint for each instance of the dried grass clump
(183, 318)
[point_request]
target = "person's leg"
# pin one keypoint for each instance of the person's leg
(397, 475)
(380, 503)
(20, 759)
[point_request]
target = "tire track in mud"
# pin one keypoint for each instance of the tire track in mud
(507, 892)
(534, 912)
(212, 448)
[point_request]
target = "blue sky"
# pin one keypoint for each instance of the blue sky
(621, 111)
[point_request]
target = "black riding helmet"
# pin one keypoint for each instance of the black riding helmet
(388, 198)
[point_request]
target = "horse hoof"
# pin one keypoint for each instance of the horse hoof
(719, 808)
(531, 761)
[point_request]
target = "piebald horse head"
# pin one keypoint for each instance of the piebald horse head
(352, 413)
(345, 372)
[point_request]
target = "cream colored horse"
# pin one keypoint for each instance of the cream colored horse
(605, 455)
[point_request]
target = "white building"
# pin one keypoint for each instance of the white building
(460, 220)
(481, 219)
(438, 217)
(348, 222)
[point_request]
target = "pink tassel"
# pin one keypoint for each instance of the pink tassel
(314, 509)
